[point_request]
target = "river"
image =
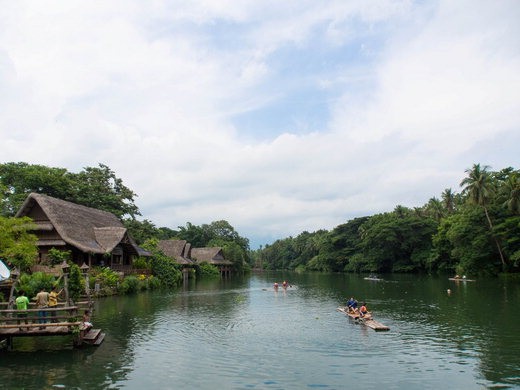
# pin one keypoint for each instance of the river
(241, 334)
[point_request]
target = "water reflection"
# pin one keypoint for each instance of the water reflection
(240, 333)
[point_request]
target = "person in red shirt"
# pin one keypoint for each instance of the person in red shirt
(363, 311)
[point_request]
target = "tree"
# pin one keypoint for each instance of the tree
(435, 208)
(479, 189)
(194, 234)
(20, 179)
(141, 230)
(17, 244)
(448, 200)
(511, 190)
(98, 187)
(101, 189)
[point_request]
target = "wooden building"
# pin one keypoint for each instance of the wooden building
(93, 236)
(214, 256)
(179, 252)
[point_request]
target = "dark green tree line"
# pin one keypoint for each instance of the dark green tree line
(476, 230)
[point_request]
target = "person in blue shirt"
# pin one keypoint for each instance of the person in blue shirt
(352, 305)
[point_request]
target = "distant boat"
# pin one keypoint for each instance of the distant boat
(463, 279)
(372, 277)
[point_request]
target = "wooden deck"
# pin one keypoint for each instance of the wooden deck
(368, 321)
(61, 321)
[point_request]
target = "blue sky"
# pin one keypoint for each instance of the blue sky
(278, 117)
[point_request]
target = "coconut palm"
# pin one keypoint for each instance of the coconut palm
(478, 187)
(448, 200)
(435, 209)
(511, 189)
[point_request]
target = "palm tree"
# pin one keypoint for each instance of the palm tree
(479, 188)
(448, 200)
(511, 189)
(434, 208)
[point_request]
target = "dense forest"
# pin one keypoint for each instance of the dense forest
(100, 188)
(474, 231)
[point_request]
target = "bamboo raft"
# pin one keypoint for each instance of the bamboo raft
(368, 321)
(461, 280)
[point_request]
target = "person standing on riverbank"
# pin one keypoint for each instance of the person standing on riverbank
(53, 301)
(42, 302)
(22, 303)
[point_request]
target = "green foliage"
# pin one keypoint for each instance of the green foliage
(218, 234)
(472, 232)
(357, 263)
(141, 230)
(17, 245)
(206, 270)
(96, 187)
(33, 283)
(105, 276)
(140, 263)
(76, 282)
(58, 256)
(162, 267)
(20, 179)
(153, 283)
(130, 285)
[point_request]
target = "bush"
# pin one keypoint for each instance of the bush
(161, 266)
(206, 270)
(32, 284)
(153, 283)
(76, 283)
(106, 277)
(57, 256)
(140, 263)
(166, 271)
(130, 285)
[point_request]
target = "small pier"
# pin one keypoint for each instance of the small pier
(370, 322)
(61, 321)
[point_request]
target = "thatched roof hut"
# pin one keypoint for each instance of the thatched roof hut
(91, 234)
(177, 250)
(212, 255)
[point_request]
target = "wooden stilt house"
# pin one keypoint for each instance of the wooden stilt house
(179, 252)
(214, 256)
(93, 236)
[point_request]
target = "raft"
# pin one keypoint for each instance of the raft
(370, 322)
(462, 280)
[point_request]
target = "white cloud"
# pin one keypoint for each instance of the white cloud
(152, 89)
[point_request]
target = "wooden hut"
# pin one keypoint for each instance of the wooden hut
(215, 256)
(93, 236)
(179, 252)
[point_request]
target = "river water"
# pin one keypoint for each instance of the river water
(241, 334)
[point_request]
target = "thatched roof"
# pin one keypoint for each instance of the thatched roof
(213, 256)
(88, 229)
(178, 250)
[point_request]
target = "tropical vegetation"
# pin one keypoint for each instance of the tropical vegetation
(474, 231)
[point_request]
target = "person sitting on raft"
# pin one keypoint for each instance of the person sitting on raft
(363, 311)
(352, 305)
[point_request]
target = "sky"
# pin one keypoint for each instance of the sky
(276, 116)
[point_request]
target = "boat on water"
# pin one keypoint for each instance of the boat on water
(372, 277)
(457, 278)
(366, 320)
